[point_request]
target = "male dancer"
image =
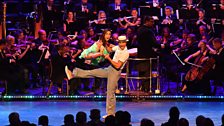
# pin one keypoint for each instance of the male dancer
(112, 73)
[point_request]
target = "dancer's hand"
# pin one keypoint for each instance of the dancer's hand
(107, 56)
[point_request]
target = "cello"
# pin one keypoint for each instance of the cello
(200, 68)
(193, 73)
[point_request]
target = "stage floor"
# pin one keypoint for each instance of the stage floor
(154, 110)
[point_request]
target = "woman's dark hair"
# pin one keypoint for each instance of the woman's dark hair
(102, 37)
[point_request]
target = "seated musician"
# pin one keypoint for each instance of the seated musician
(70, 25)
(83, 11)
(169, 20)
(191, 81)
(181, 42)
(201, 19)
(101, 18)
(117, 9)
(134, 21)
(203, 33)
(19, 37)
(117, 5)
(83, 7)
(92, 36)
(189, 47)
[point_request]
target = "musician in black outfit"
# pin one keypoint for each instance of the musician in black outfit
(146, 41)
(170, 20)
(84, 13)
(218, 72)
(117, 9)
(11, 72)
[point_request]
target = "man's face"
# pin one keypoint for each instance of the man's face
(201, 30)
(91, 32)
(167, 12)
(43, 35)
(122, 44)
(84, 1)
(216, 45)
(189, 41)
(150, 23)
(117, 1)
(50, 2)
(200, 14)
(222, 2)
(189, 2)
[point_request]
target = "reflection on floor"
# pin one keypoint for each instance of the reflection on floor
(154, 110)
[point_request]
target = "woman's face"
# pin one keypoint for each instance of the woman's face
(201, 45)
(84, 35)
(70, 15)
(107, 36)
(184, 36)
(129, 31)
(166, 33)
(134, 13)
(200, 14)
(91, 32)
(65, 41)
(189, 41)
(21, 36)
(102, 15)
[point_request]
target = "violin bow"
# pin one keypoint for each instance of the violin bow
(178, 58)
(199, 66)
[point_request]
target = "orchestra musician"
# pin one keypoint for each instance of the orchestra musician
(181, 42)
(42, 55)
(169, 20)
(117, 9)
(92, 36)
(117, 5)
(51, 16)
(70, 25)
(19, 37)
(83, 11)
(83, 7)
(101, 18)
(218, 69)
(201, 19)
(191, 81)
(11, 72)
(135, 21)
(189, 47)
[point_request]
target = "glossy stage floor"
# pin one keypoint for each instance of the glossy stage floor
(154, 110)
(155, 107)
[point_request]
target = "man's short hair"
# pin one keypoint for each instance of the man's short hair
(217, 40)
(147, 18)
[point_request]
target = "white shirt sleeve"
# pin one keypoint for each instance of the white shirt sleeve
(123, 58)
(114, 48)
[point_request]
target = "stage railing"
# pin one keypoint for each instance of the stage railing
(153, 74)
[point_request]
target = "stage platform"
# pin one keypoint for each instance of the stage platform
(154, 110)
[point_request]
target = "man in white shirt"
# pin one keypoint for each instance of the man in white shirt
(112, 73)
